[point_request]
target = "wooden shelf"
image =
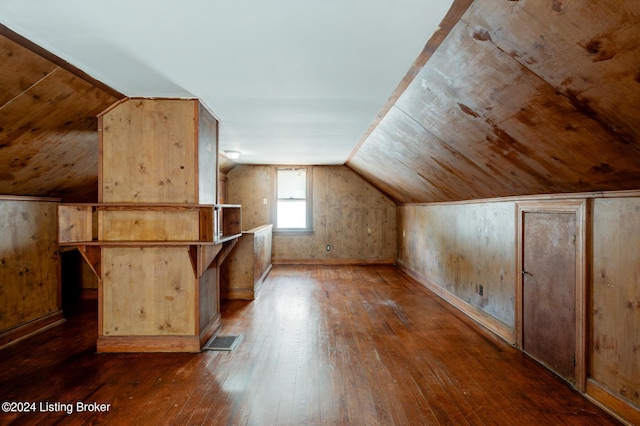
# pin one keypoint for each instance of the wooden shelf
(148, 224)
(228, 222)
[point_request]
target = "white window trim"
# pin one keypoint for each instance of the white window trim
(274, 201)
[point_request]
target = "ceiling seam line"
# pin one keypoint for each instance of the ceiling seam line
(416, 121)
(29, 88)
(463, 155)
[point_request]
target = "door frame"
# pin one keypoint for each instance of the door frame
(579, 208)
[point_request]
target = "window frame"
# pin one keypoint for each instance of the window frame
(309, 201)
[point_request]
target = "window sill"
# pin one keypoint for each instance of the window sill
(292, 232)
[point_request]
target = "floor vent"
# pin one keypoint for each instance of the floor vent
(221, 343)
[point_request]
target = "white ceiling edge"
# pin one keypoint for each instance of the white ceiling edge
(293, 82)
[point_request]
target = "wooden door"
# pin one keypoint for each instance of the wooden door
(549, 290)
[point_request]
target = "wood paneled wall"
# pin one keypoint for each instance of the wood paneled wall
(29, 266)
(615, 300)
(454, 248)
(462, 247)
(250, 186)
(357, 220)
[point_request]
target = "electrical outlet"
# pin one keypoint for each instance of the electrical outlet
(481, 290)
(328, 247)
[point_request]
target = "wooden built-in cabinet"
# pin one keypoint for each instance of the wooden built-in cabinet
(156, 238)
(248, 264)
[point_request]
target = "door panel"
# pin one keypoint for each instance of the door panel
(549, 285)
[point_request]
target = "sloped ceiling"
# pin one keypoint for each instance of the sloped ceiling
(507, 98)
(48, 124)
(522, 97)
(292, 82)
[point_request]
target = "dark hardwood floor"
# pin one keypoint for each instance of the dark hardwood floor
(321, 346)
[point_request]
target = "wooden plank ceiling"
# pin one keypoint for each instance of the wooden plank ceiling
(508, 98)
(521, 97)
(48, 124)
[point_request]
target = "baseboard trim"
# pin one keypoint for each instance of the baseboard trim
(28, 329)
(482, 318)
(621, 409)
(334, 262)
(117, 344)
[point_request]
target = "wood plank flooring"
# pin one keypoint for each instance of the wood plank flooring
(320, 346)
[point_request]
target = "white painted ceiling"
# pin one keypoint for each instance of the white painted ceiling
(292, 81)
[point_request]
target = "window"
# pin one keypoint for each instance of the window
(292, 207)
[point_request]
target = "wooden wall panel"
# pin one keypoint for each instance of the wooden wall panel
(222, 188)
(615, 341)
(462, 247)
(29, 263)
(208, 298)
(244, 271)
(349, 214)
(75, 223)
(148, 291)
(159, 164)
(140, 225)
(249, 186)
(262, 248)
(207, 156)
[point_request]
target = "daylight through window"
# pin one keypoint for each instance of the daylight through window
(292, 199)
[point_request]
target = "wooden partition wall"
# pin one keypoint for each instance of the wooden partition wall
(248, 265)
(471, 254)
(614, 307)
(30, 292)
(156, 239)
